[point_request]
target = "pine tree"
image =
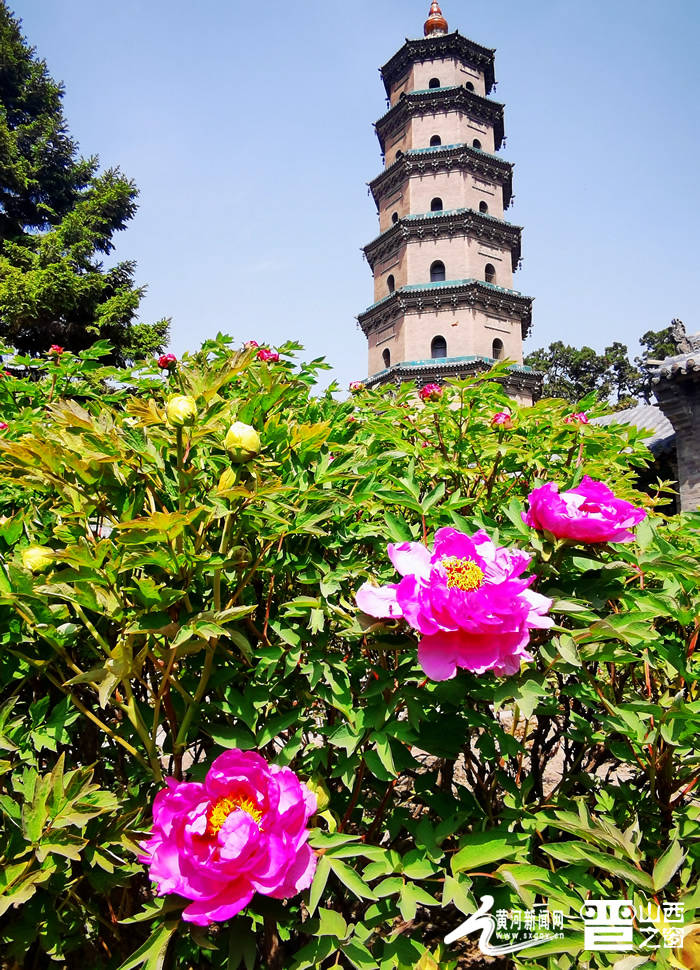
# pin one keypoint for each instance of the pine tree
(58, 216)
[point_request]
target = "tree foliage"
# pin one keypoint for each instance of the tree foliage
(572, 372)
(190, 605)
(58, 217)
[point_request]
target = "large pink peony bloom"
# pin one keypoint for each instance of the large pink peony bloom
(466, 599)
(241, 831)
(588, 513)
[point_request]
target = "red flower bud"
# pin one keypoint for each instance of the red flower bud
(431, 392)
(167, 361)
(271, 356)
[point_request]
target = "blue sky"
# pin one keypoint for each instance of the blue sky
(248, 129)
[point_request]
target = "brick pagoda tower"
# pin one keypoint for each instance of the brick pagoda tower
(443, 262)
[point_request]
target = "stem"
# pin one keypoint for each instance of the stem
(137, 721)
(199, 693)
(100, 724)
(91, 627)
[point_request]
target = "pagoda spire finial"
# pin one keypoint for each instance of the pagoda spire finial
(436, 23)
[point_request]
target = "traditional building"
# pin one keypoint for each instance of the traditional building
(443, 262)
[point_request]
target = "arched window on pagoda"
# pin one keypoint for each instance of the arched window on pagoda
(437, 272)
(434, 82)
(497, 349)
(394, 217)
(436, 205)
(435, 141)
(469, 86)
(398, 155)
(476, 143)
(490, 273)
(483, 206)
(438, 348)
(390, 283)
(386, 357)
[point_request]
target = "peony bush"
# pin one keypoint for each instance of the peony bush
(231, 738)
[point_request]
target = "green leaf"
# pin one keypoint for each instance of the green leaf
(319, 884)
(350, 879)
(331, 924)
(151, 956)
(667, 866)
(483, 849)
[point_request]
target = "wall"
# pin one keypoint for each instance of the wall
(449, 71)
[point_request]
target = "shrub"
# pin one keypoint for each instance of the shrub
(194, 603)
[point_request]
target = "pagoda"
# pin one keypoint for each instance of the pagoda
(443, 262)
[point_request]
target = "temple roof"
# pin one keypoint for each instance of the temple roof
(419, 161)
(435, 46)
(448, 294)
(680, 365)
(433, 100)
(446, 222)
(645, 417)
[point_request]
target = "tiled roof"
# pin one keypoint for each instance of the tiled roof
(686, 364)
(443, 284)
(457, 212)
(645, 417)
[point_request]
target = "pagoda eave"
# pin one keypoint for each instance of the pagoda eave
(434, 47)
(450, 294)
(518, 378)
(444, 158)
(436, 100)
(451, 223)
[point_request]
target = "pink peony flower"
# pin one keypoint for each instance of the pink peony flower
(167, 361)
(578, 418)
(430, 392)
(56, 350)
(250, 345)
(502, 418)
(4, 426)
(269, 355)
(467, 601)
(588, 513)
(356, 386)
(241, 831)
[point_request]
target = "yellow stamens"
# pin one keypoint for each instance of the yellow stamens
(462, 574)
(222, 808)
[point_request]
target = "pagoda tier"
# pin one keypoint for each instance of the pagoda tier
(474, 59)
(430, 226)
(487, 174)
(446, 295)
(406, 124)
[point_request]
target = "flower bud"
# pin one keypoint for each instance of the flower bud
(242, 442)
(356, 387)
(167, 361)
(55, 350)
(503, 419)
(431, 392)
(319, 788)
(4, 426)
(181, 409)
(36, 559)
(250, 345)
(578, 418)
(271, 356)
